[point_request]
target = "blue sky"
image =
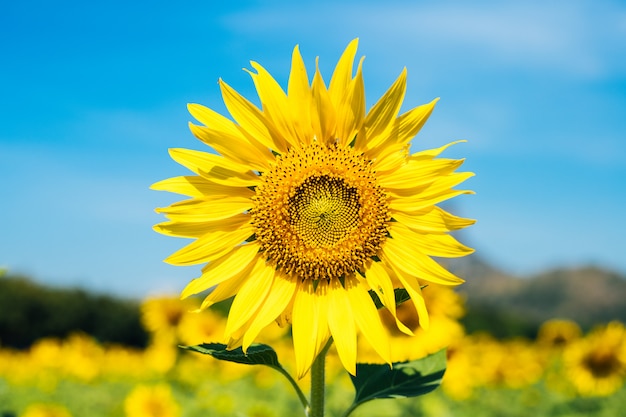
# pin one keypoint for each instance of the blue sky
(93, 94)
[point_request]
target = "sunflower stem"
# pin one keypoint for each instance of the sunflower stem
(303, 400)
(318, 383)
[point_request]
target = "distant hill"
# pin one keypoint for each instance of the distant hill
(509, 305)
(29, 311)
(501, 304)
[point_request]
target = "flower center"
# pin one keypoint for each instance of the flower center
(602, 364)
(319, 212)
(324, 210)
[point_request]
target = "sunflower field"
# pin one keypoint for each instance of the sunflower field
(563, 372)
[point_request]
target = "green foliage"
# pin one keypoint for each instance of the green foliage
(403, 380)
(257, 354)
(31, 311)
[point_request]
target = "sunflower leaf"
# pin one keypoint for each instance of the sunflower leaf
(257, 354)
(404, 379)
(401, 295)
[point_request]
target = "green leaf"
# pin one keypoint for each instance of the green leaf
(400, 294)
(404, 379)
(258, 354)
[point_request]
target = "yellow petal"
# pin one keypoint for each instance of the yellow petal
(278, 298)
(444, 183)
(342, 76)
(379, 280)
(380, 118)
(433, 220)
(198, 229)
(309, 324)
(416, 203)
(432, 153)
(442, 245)
(342, 326)
(351, 110)
(367, 318)
(206, 209)
(275, 105)
(392, 160)
(403, 130)
(215, 168)
(415, 174)
(300, 98)
(412, 261)
(251, 119)
(225, 290)
(412, 286)
(233, 264)
(210, 246)
(228, 139)
(195, 186)
(251, 296)
(323, 118)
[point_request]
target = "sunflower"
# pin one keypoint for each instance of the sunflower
(151, 401)
(310, 202)
(596, 364)
(558, 333)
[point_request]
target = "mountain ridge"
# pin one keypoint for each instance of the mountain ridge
(588, 295)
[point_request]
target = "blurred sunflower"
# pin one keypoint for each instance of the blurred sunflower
(162, 315)
(596, 364)
(558, 333)
(151, 401)
(309, 203)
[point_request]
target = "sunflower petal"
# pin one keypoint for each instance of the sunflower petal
(194, 186)
(342, 326)
(309, 324)
(414, 262)
(210, 247)
(251, 119)
(433, 220)
(351, 111)
(278, 298)
(275, 103)
(206, 209)
(323, 118)
(367, 318)
(414, 204)
(417, 174)
(227, 138)
(380, 118)
(342, 76)
(215, 168)
(232, 264)
(251, 296)
(412, 286)
(379, 280)
(224, 291)
(300, 98)
(198, 229)
(443, 245)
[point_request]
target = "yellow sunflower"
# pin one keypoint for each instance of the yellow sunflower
(596, 364)
(309, 202)
(558, 333)
(151, 401)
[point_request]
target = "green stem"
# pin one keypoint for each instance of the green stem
(294, 384)
(318, 383)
